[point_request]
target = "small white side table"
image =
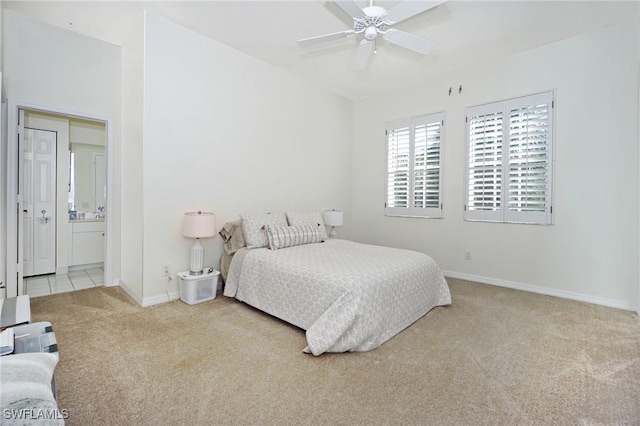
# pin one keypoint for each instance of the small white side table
(198, 288)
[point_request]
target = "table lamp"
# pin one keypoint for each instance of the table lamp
(198, 225)
(332, 218)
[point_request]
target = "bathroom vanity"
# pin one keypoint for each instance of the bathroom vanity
(86, 242)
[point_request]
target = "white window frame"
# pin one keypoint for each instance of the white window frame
(412, 123)
(502, 212)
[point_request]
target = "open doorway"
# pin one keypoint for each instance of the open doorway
(63, 250)
(81, 196)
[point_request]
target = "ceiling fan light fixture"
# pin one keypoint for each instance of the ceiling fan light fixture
(371, 21)
(370, 33)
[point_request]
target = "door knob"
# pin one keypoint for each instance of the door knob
(44, 219)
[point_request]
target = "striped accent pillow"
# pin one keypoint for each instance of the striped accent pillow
(295, 218)
(295, 235)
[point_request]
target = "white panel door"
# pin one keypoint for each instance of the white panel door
(39, 202)
(27, 202)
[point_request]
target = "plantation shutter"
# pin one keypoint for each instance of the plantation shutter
(398, 165)
(426, 169)
(484, 178)
(528, 182)
(509, 160)
(413, 166)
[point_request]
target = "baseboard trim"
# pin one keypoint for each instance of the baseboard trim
(161, 298)
(611, 303)
(147, 301)
(129, 292)
(62, 270)
(86, 266)
(115, 283)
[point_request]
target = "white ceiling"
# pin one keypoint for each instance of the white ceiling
(467, 32)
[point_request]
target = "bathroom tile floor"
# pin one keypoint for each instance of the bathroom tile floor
(44, 285)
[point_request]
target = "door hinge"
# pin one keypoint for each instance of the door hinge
(465, 207)
(553, 104)
(551, 209)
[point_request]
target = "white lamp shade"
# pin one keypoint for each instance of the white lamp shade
(199, 225)
(332, 217)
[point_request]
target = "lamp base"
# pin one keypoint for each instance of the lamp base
(333, 233)
(197, 253)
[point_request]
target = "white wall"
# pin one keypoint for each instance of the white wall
(56, 68)
(3, 145)
(3, 185)
(591, 252)
(1, 34)
(46, 64)
(130, 161)
(227, 133)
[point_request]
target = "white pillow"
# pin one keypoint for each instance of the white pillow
(295, 218)
(26, 385)
(252, 227)
(295, 235)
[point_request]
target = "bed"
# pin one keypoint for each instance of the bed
(347, 296)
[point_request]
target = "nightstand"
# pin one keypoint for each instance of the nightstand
(198, 288)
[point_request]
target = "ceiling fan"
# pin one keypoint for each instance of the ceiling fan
(373, 21)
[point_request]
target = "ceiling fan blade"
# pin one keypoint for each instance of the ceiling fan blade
(352, 8)
(408, 9)
(409, 41)
(362, 54)
(326, 37)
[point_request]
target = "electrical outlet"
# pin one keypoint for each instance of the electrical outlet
(467, 255)
(166, 270)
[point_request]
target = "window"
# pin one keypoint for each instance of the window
(414, 158)
(509, 160)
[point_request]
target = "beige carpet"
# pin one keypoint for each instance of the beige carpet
(495, 356)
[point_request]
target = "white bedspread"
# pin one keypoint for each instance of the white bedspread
(347, 296)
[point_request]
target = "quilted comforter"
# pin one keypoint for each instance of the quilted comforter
(347, 296)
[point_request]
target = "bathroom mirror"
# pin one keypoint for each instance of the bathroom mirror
(87, 166)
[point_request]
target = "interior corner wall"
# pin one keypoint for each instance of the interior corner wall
(227, 133)
(130, 162)
(591, 251)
